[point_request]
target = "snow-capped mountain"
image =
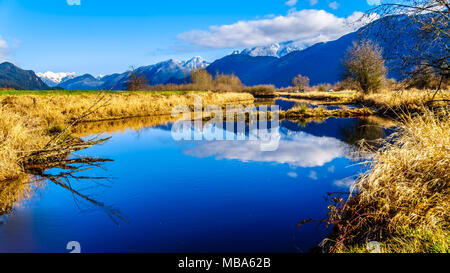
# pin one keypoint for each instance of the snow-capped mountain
(275, 50)
(170, 71)
(195, 63)
(53, 79)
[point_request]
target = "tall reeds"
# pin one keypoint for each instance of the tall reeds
(403, 201)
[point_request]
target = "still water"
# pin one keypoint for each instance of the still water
(195, 196)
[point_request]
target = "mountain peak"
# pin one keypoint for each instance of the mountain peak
(275, 49)
(54, 78)
(8, 64)
(14, 77)
(196, 62)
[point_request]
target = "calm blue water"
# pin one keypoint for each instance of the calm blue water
(216, 196)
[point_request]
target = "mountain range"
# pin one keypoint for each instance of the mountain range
(273, 64)
(164, 72)
(321, 62)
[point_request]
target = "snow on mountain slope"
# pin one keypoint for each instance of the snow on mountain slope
(54, 78)
(277, 49)
(194, 63)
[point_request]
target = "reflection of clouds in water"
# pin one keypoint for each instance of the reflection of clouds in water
(313, 175)
(331, 169)
(292, 174)
(296, 148)
(344, 182)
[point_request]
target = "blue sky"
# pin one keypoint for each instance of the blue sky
(107, 36)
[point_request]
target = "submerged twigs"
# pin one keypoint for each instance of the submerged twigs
(95, 106)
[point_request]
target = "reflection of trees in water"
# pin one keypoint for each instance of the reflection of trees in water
(64, 171)
(366, 132)
(121, 125)
(14, 191)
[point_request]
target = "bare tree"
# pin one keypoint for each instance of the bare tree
(421, 40)
(136, 80)
(230, 80)
(364, 64)
(300, 81)
(424, 77)
(201, 77)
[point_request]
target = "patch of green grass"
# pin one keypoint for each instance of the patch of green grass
(88, 92)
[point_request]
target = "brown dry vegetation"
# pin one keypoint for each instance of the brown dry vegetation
(303, 112)
(398, 103)
(120, 125)
(341, 97)
(393, 104)
(54, 110)
(403, 201)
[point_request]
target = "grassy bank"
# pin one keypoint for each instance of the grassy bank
(396, 104)
(12, 92)
(29, 123)
(303, 112)
(320, 96)
(403, 201)
(389, 104)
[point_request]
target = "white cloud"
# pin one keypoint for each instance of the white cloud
(291, 3)
(74, 2)
(313, 2)
(334, 5)
(373, 2)
(306, 26)
(292, 174)
(4, 49)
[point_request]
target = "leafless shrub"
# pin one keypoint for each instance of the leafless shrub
(364, 64)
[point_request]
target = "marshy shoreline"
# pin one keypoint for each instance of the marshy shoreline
(31, 123)
(401, 202)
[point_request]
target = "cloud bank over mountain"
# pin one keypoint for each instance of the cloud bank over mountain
(306, 26)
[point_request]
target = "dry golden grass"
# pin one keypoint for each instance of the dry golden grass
(403, 201)
(396, 103)
(28, 121)
(120, 125)
(343, 96)
(303, 111)
(390, 104)
(18, 135)
(60, 109)
(13, 192)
